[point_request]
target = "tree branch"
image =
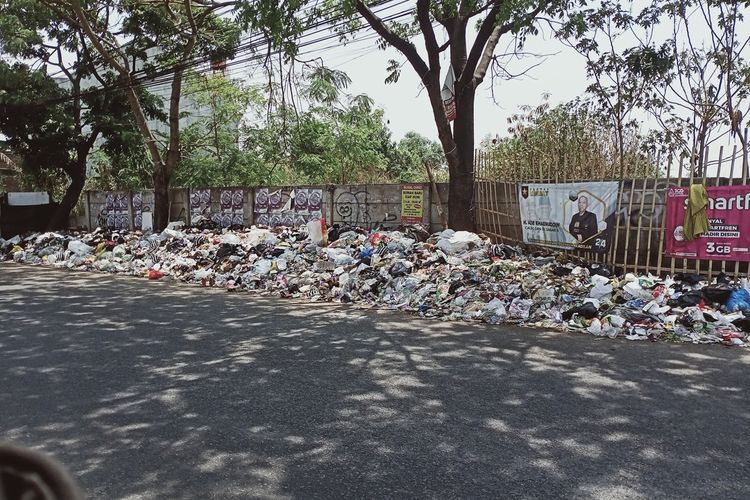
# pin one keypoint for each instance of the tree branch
(491, 43)
(489, 50)
(433, 51)
(404, 46)
(88, 56)
(86, 27)
(485, 32)
(479, 10)
(429, 78)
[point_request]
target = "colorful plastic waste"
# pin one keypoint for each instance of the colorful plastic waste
(451, 275)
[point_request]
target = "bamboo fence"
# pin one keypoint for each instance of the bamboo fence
(637, 243)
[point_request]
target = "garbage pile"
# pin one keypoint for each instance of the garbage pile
(451, 275)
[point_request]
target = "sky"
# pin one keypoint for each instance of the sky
(558, 72)
(561, 74)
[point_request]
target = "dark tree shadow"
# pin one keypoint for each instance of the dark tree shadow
(157, 390)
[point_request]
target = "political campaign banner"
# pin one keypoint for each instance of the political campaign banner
(578, 215)
(728, 214)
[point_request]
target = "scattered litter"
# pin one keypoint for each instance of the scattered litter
(452, 275)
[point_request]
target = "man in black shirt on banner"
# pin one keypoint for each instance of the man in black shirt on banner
(583, 225)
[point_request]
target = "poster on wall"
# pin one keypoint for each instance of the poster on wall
(275, 201)
(117, 211)
(287, 206)
(301, 204)
(729, 234)
(137, 201)
(412, 204)
(232, 211)
(109, 210)
(261, 201)
(578, 215)
(200, 204)
(315, 202)
(238, 207)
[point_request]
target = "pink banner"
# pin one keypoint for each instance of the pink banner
(729, 219)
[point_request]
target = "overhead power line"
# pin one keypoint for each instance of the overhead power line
(145, 79)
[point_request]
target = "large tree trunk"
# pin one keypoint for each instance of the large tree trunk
(163, 172)
(461, 168)
(161, 200)
(77, 180)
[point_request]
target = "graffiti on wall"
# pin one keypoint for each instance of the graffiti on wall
(352, 208)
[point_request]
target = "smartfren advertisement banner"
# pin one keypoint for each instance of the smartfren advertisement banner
(729, 221)
(577, 215)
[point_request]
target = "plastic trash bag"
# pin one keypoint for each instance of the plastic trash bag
(520, 308)
(316, 231)
(453, 243)
(80, 248)
(739, 300)
(230, 239)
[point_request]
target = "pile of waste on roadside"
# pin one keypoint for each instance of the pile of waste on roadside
(448, 275)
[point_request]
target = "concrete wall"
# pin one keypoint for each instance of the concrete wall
(371, 206)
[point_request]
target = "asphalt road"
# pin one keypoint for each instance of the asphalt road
(166, 391)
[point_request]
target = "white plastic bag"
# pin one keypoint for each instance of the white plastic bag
(457, 242)
(599, 291)
(80, 248)
(200, 274)
(230, 239)
(316, 231)
(263, 266)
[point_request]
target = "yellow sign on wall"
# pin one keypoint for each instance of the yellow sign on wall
(412, 204)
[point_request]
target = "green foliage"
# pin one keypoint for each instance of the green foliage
(693, 81)
(622, 79)
(156, 32)
(325, 85)
(337, 138)
(126, 168)
(409, 156)
(53, 124)
(281, 22)
(338, 144)
(41, 135)
(211, 149)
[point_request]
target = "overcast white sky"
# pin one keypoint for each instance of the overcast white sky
(562, 75)
(559, 72)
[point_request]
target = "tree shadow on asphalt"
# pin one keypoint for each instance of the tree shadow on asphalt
(156, 390)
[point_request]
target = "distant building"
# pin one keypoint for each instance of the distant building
(190, 112)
